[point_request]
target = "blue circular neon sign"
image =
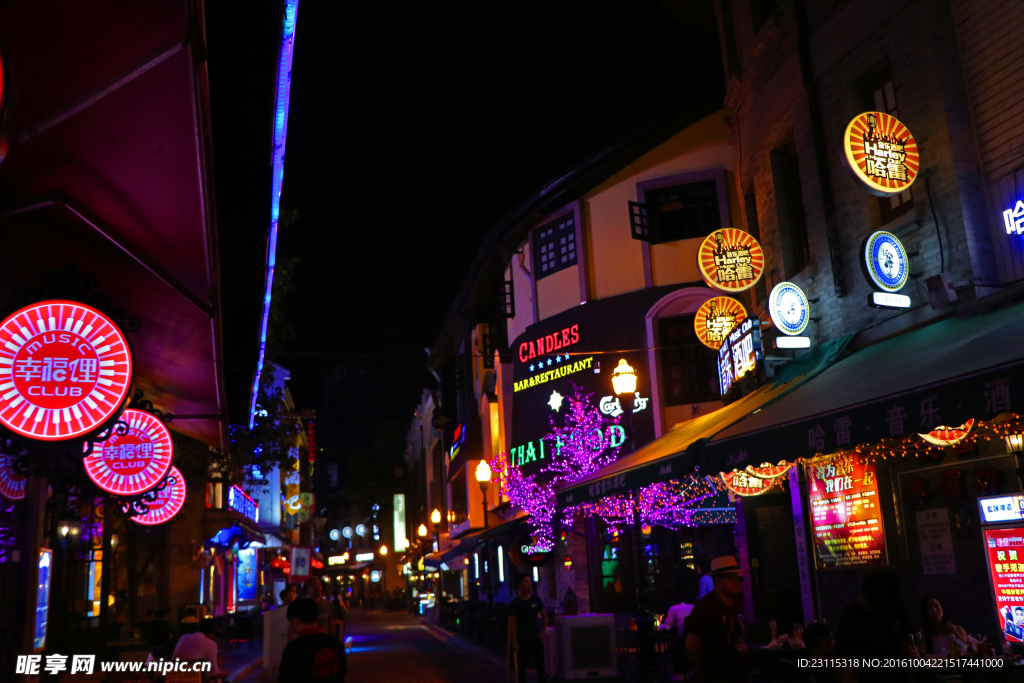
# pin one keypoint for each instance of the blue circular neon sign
(886, 261)
(788, 307)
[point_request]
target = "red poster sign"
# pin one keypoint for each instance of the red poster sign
(133, 463)
(845, 512)
(12, 484)
(168, 503)
(65, 370)
(1006, 569)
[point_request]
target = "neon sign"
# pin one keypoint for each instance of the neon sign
(739, 354)
(549, 343)
(612, 437)
(547, 376)
(243, 504)
(881, 154)
(610, 405)
(12, 484)
(132, 463)
(65, 370)
(716, 319)
(1014, 219)
(457, 440)
(730, 260)
(168, 503)
(364, 557)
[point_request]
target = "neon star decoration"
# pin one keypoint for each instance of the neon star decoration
(555, 401)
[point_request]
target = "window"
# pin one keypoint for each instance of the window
(882, 97)
(611, 570)
(689, 369)
(789, 204)
(760, 10)
(681, 212)
(554, 246)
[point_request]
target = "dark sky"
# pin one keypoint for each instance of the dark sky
(414, 127)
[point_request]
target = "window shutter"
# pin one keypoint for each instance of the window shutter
(507, 300)
(638, 222)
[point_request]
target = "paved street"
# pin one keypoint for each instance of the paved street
(395, 648)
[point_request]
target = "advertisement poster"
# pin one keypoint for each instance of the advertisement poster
(246, 576)
(936, 542)
(845, 512)
(42, 600)
(1005, 549)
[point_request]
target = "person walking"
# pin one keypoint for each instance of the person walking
(716, 638)
(202, 645)
(314, 655)
(527, 623)
(339, 609)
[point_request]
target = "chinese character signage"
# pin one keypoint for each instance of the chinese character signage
(886, 261)
(845, 512)
(740, 354)
(936, 542)
(730, 260)
(168, 503)
(69, 370)
(132, 463)
(243, 504)
(12, 484)
(1014, 219)
(753, 481)
(881, 154)
(1002, 509)
(1005, 548)
(716, 319)
(789, 308)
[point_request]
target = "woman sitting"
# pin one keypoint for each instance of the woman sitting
(938, 631)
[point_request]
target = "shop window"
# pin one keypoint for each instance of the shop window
(677, 212)
(689, 369)
(611, 566)
(554, 246)
(789, 204)
(760, 11)
(881, 96)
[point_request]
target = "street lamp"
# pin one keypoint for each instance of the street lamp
(383, 550)
(435, 516)
(624, 378)
(483, 475)
(422, 531)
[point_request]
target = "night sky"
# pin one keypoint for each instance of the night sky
(414, 127)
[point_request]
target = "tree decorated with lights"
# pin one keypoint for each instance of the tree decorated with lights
(586, 441)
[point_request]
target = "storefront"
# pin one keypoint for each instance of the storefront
(234, 582)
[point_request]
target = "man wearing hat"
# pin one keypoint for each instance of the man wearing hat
(715, 630)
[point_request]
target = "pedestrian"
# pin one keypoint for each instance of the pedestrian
(716, 638)
(315, 591)
(287, 594)
(202, 646)
(677, 614)
(339, 609)
(940, 634)
(821, 649)
(527, 624)
(190, 616)
(875, 625)
(313, 656)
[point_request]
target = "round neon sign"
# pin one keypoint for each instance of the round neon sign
(880, 153)
(716, 318)
(886, 261)
(65, 370)
(788, 307)
(730, 260)
(169, 501)
(12, 484)
(132, 463)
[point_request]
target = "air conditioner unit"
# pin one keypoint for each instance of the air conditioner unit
(586, 646)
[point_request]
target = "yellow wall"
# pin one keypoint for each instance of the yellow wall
(558, 292)
(615, 258)
(523, 290)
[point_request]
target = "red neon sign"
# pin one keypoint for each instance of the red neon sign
(65, 370)
(133, 463)
(549, 343)
(12, 484)
(168, 503)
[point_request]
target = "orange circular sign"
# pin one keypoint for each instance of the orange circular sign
(881, 154)
(65, 370)
(731, 260)
(716, 318)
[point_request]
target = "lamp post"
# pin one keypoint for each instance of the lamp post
(624, 384)
(483, 476)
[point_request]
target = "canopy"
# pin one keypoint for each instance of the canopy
(674, 454)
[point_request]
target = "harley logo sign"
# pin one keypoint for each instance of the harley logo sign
(65, 370)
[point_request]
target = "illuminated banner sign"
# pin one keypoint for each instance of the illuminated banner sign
(740, 354)
(169, 501)
(301, 563)
(42, 599)
(1014, 219)
(545, 376)
(1005, 555)
(845, 512)
(364, 557)
(753, 481)
(243, 504)
(549, 343)
(1002, 509)
(398, 522)
(68, 370)
(12, 484)
(730, 260)
(532, 555)
(245, 578)
(880, 153)
(716, 319)
(458, 438)
(132, 463)
(337, 559)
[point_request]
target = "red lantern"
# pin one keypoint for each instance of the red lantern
(130, 464)
(68, 370)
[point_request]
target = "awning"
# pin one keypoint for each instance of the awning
(942, 374)
(676, 453)
(223, 527)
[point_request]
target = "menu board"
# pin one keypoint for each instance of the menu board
(847, 518)
(1006, 570)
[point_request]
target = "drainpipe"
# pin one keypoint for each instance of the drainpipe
(828, 203)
